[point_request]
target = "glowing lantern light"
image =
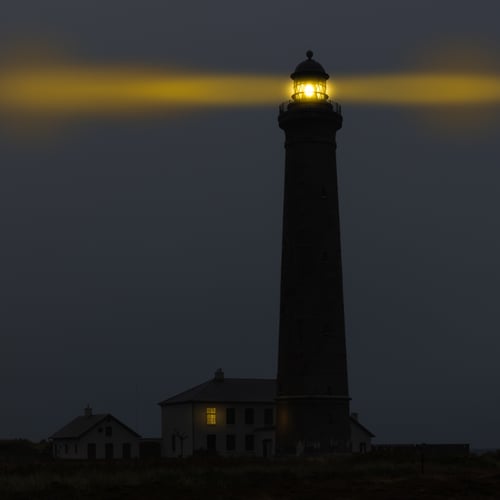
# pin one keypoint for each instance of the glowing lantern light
(309, 81)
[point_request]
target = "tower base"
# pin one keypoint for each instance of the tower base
(312, 425)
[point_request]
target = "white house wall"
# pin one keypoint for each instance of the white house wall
(360, 439)
(191, 419)
(176, 421)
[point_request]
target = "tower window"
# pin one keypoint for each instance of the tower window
(108, 431)
(211, 416)
(300, 329)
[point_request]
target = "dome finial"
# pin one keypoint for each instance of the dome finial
(309, 54)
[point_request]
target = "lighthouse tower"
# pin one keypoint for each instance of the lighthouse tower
(312, 390)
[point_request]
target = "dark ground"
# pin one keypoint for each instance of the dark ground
(357, 477)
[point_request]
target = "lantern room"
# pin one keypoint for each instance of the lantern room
(309, 81)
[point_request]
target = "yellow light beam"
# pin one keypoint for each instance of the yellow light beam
(86, 90)
(420, 89)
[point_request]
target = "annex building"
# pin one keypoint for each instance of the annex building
(99, 436)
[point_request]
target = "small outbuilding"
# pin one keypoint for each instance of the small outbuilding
(100, 436)
(361, 437)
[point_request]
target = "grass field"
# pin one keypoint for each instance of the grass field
(355, 477)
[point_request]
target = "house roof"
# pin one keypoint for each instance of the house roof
(228, 390)
(83, 424)
(362, 427)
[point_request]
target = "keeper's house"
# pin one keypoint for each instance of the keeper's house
(95, 437)
(229, 417)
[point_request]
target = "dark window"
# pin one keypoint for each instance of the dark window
(249, 442)
(91, 451)
(249, 416)
(324, 194)
(300, 329)
(211, 442)
(230, 442)
(230, 416)
(268, 416)
(109, 451)
(66, 449)
(173, 442)
(76, 449)
(109, 431)
(126, 450)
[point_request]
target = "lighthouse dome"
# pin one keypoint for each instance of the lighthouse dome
(309, 68)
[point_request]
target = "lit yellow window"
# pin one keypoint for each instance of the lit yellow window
(211, 416)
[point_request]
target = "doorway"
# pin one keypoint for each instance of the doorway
(267, 448)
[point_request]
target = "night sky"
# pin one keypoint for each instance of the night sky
(138, 255)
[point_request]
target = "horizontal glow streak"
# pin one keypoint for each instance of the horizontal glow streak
(420, 89)
(77, 90)
(90, 91)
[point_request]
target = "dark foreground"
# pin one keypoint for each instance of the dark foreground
(356, 477)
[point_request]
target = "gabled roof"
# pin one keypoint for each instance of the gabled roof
(228, 390)
(362, 427)
(83, 424)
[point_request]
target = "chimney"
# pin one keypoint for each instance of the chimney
(219, 375)
(87, 411)
(354, 416)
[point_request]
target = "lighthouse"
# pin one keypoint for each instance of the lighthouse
(312, 389)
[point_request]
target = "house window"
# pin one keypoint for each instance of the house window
(249, 416)
(108, 451)
(108, 431)
(66, 449)
(76, 449)
(268, 416)
(211, 416)
(249, 442)
(230, 442)
(173, 442)
(211, 443)
(230, 416)
(126, 450)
